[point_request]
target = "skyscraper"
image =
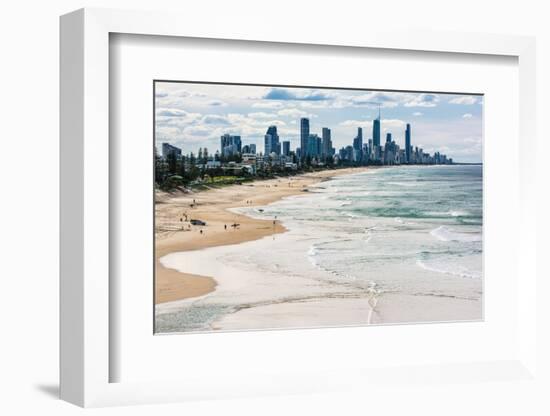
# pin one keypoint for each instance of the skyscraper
(271, 141)
(358, 141)
(327, 142)
(286, 148)
(360, 137)
(304, 135)
(376, 132)
(230, 144)
(313, 145)
(267, 144)
(168, 149)
(408, 143)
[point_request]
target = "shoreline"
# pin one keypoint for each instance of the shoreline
(174, 233)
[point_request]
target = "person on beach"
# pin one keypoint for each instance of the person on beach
(225, 226)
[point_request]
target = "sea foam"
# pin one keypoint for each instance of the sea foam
(444, 233)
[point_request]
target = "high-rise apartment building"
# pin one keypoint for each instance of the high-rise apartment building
(327, 142)
(168, 149)
(286, 148)
(304, 135)
(376, 132)
(230, 145)
(408, 143)
(271, 141)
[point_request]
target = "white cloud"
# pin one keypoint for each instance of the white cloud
(261, 115)
(197, 131)
(393, 124)
(473, 140)
(215, 119)
(464, 100)
(353, 123)
(423, 100)
(386, 124)
(174, 112)
(375, 99)
(217, 103)
(297, 94)
(268, 104)
(417, 114)
(292, 112)
(467, 115)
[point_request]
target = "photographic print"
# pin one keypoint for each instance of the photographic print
(281, 207)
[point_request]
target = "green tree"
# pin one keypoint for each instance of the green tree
(172, 182)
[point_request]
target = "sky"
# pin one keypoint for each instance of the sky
(191, 116)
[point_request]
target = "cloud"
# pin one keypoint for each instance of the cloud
(215, 119)
(464, 100)
(387, 124)
(302, 95)
(217, 103)
(467, 115)
(423, 100)
(197, 131)
(374, 99)
(353, 123)
(261, 115)
(174, 117)
(417, 114)
(268, 104)
(392, 124)
(472, 140)
(171, 112)
(292, 112)
(295, 113)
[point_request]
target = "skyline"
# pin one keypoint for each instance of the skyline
(191, 116)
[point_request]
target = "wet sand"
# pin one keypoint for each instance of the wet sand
(175, 233)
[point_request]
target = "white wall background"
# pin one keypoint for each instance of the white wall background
(29, 210)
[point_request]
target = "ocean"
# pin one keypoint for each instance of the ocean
(407, 240)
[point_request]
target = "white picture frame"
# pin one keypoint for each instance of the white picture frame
(85, 260)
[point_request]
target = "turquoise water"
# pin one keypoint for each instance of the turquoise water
(450, 194)
(397, 227)
(411, 231)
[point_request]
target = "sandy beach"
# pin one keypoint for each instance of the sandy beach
(366, 247)
(175, 233)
